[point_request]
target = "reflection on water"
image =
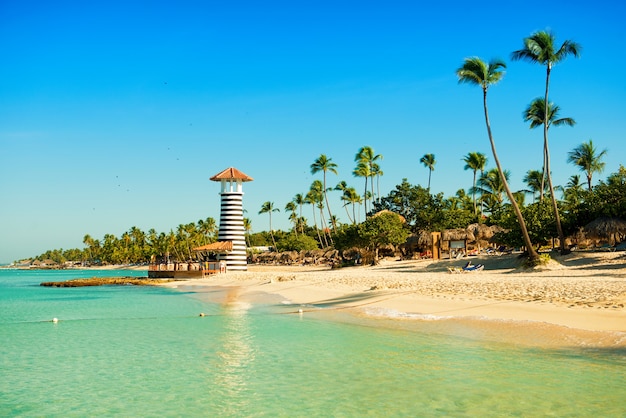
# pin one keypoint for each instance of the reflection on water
(234, 357)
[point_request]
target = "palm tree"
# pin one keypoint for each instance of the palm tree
(584, 156)
(476, 71)
(535, 113)
(362, 170)
(534, 181)
(429, 162)
(573, 190)
(324, 164)
(377, 172)
(367, 167)
(313, 197)
(247, 227)
(207, 228)
(492, 188)
(475, 161)
(539, 48)
(268, 207)
(293, 217)
(299, 200)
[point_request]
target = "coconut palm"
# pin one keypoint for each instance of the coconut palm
(367, 167)
(268, 207)
(534, 181)
(540, 48)
(325, 164)
(587, 159)
(429, 162)
(351, 197)
(475, 71)
(492, 188)
(377, 172)
(536, 113)
(293, 217)
(247, 227)
(572, 193)
(475, 161)
(315, 197)
(362, 170)
(300, 200)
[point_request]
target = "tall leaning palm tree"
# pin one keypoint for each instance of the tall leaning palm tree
(429, 162)
(268, 207)
(475, 71)
(325, 164)
(539, 115)
(475, 161)
(540, 48)
(586, 157)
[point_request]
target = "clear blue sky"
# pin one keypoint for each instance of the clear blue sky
(115, 114)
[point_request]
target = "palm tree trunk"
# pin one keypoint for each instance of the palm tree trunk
(532, 254)
(330, 215)
(557, 218)
(474, 193)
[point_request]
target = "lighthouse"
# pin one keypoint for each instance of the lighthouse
(231, 218)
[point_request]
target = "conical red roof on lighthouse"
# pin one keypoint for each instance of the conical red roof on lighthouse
(231, 173)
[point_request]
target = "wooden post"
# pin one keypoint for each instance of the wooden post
(436, 245)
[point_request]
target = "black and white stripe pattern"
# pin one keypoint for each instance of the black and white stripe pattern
(232, 229)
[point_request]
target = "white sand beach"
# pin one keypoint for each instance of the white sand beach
(583, 291)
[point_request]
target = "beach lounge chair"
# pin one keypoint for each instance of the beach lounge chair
(470, 267)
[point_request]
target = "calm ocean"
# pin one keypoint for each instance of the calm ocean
(144, 351)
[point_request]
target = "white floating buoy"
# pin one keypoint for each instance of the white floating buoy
(55, 320)
(201, 313)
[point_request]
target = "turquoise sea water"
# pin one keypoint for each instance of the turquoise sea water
(144, 351)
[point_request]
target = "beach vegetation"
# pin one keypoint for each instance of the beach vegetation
(475, 161)
(368, 168)
(384, 228)
(540, 48)
(268, 207)
(293, 242)
(428, 160)
(325, 164)
(477, 72)
(587, 158)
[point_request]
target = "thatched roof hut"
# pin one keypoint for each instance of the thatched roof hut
(611, 229)
(457, 235)
(483, 232)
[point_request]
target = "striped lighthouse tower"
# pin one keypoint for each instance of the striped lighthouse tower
(231, 217)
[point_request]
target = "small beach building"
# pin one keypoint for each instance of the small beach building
(231, 218)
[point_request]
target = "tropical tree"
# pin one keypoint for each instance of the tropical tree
(362, 170)
(325, 164)
(534, 181)
(268, 207)
(429, 162)
(314, 197)
(475, 161)
(377, 172)
(299, 199)
(587, 158)
(292, 208)
(535, 113)
(247, 228)
(475, 71)
(367, 166)
(492, 189)
(540, 48)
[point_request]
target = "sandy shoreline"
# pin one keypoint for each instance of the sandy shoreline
(581, 291)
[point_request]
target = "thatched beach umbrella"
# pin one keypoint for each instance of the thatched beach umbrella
(425, 239)
(612, 229)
